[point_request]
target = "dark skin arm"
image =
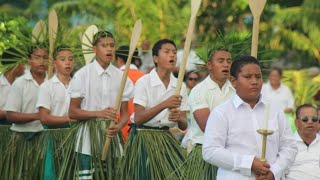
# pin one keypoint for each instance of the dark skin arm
(114, 130)
(3, 114)
(47, 119)
(143, 115)
(201, 116)
(179, 117)
(21, 118)
(75, 112)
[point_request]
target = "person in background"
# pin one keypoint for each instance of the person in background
(9, 57)
(275, 90)
(191, 80)
(146, 57)
(307, 162)
(134, 74)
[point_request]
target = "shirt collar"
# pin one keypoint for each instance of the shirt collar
(237, 101)
(156, 81)
(211, 84)
(100, 70)
(132, 66)
(3, 80)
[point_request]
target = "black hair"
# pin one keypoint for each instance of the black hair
(157, 46)
(10, 56)
(60, 48)
(36, 46)
(240, 62)
(188, 74)
(278, 69)
(101, 34)
(123, 53)
(212, 52)
(299, 108)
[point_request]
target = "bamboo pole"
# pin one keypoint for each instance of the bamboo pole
(256, 7)
(135, 36)
(195, 5)
(87, 40)
(53, 29)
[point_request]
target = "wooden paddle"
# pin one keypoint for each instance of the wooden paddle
(39, 32)
(256, 7)
(195, 5)
(135, 36)
(53, 29)
(87, 40)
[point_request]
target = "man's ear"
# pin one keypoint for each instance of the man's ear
(155, 59)
(94, 49)
(233, 81)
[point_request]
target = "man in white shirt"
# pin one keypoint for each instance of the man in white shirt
(93, 92)
(231, 141)
(203, 98)
(9, 57)
(22, 99)
(22, 112)
(307, 161)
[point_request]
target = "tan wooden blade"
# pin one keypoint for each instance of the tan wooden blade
(87, 40)
(39, 31)
(135, 36)
(53, 29)
(195, 5)
(256, 7)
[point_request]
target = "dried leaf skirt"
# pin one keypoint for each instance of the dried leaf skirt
(197, 168)
(151, 154)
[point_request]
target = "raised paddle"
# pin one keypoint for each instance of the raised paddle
(39, 32)
(256, 7)
(135, 36)
(195, 5)
(53, 29)
(87, 40)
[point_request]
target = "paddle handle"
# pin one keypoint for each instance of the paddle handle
(106, 146)
(255, 36)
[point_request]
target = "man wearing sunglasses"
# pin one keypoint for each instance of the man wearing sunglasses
(307, 162)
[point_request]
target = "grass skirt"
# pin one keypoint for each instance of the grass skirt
(100, 169)
(151, 154)
(197, 168)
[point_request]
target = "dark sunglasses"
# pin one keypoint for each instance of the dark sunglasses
(306, 118)
(193, 79)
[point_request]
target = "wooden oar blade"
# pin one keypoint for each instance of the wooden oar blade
(87, 41)
(195, 5)
(256, 6)
(135, 36)
(39, 32)
(53, 25)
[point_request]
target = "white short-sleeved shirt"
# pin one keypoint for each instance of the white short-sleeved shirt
(231, 140)
(307, 162)
(54, 97)
(150, 91)
(23, 98)
(283, 95)
(206, 94)
(98, 89)
(5, 87)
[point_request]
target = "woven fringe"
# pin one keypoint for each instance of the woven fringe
(102, 169)
(197, 168)
(150, 155)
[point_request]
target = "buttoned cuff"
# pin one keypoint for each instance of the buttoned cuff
(244, 164)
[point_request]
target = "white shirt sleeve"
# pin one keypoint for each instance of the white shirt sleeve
(184, 104)
(14, 100)
(44, 98)
(290, 99)
(128, 91)
(287, 150)
(214, 151)
(140, 96)
(76, 88)
(197, 100)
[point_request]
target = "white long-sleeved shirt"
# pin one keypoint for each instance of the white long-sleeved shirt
(307, 162)
(231, 140)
